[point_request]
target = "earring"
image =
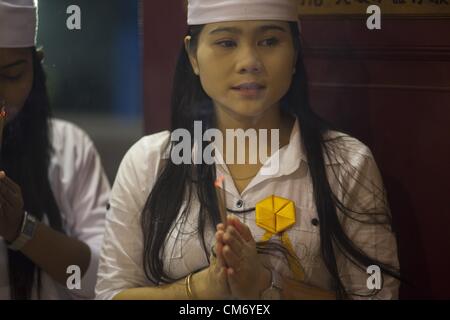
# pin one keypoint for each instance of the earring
(294, 71)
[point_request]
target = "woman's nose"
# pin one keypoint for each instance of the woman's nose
(249, 61)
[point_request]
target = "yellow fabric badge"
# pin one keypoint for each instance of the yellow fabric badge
(276, 215)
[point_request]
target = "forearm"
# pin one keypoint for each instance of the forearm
(294, 290)
(173, 291)
(53, 252)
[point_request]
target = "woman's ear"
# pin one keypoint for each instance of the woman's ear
(40, 54)
(191, 55)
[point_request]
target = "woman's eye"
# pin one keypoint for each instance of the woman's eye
(226, 43)
(270, 42)
(10, 77)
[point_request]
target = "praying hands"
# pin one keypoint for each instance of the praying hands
(246, 275)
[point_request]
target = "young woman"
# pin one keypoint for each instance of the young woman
(53, 190)
(308, 231)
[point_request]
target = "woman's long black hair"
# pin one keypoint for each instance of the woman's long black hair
(176, 183)
(25, 157)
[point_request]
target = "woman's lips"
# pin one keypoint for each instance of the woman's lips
(249, 91)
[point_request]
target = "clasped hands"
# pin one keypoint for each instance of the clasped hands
(236, 271)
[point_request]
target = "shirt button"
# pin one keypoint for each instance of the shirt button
(315, 222)
(239, 204)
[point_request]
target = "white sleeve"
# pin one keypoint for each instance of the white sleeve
(121, 263)
(81, 189)
(366, 193)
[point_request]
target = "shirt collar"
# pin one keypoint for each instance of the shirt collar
(290, 157)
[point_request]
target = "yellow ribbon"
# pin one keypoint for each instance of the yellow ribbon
(275, 215)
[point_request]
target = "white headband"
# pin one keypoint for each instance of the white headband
(18, 23)
(210, 11)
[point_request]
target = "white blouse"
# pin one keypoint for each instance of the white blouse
(121, 261)
(81, 192)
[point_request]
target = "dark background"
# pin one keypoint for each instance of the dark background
(94, 74)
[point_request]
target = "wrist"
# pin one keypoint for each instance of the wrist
(205, 286)
(197, 286)
(26, 232)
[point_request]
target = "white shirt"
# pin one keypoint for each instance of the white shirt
(81, 192)
(121, 264)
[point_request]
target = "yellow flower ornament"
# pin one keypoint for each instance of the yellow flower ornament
(276, 215)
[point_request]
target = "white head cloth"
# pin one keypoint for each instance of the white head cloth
(210, 11)
(18, 23)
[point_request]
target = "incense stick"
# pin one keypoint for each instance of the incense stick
(220, 182)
